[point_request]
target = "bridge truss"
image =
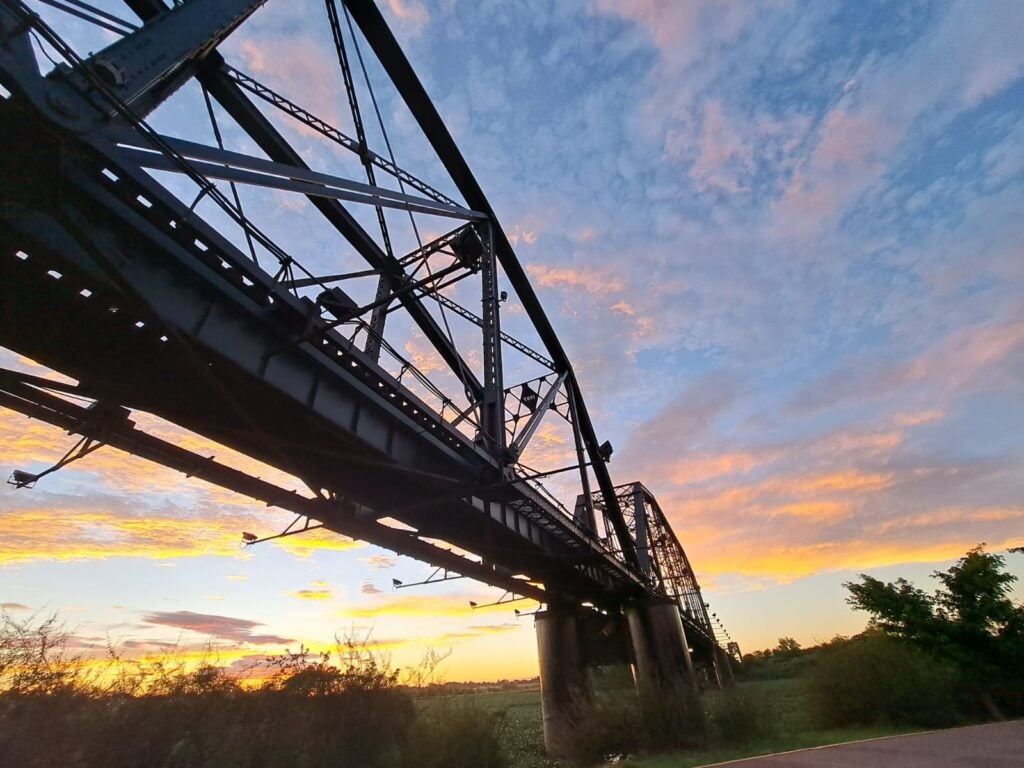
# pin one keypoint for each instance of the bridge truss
(144, 264)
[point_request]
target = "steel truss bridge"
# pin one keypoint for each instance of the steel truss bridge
(145, 267)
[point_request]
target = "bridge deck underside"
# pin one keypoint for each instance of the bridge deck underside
(179, 324)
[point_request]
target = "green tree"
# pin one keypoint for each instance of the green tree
(970, 622)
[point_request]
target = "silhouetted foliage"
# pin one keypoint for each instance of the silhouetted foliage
(969, 624)
(787, 647)
(316, 710)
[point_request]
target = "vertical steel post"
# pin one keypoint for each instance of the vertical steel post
(581, 458)
(492, 416)
(643, 547)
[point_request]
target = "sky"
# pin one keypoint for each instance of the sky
(781, 242)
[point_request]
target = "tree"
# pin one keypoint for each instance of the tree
(970, 622)
(787, 647)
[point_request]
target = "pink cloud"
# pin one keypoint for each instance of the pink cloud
(213, 625)
(595, 282)
(409, 13)
(723, 155)
(965, 360)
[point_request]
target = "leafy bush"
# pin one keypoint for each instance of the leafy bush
(874, 679)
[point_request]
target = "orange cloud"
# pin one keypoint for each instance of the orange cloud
(93, 533)
(782, 495)
(817, 510)
(783, 562)
(697, 468)
(848, 480)
(312, 594)
(305, 544)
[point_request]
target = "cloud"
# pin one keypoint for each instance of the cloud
(379, 561)
(689, 468)
(724, 157)
(967, 359)
(368, 588)
(410, 14)
(84, 529)
(76, 532)
(783, 563)
(312, 594)
(213, 625)
(318, 539)
(595, 282)
(14, 607)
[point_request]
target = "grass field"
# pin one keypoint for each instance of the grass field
(782, 706)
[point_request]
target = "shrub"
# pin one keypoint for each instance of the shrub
(623, 722)
(34, 658)
(453, 733)
(673, 719)
(736, 718)
(874, 679)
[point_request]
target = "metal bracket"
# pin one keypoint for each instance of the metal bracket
(446, 575)
(500, 601)
(21, 479)
(249, 539)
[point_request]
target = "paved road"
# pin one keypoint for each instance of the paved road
(999, 745)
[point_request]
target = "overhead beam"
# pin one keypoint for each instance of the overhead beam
(309, 183)
(197, 151)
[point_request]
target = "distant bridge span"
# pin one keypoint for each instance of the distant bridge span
(146, 267)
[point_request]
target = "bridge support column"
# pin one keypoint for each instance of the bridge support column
(724, 667)
(563, 684)
(662, 657)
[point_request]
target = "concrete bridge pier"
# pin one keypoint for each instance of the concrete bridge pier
(564, 689)
(660, 651)
(724, 666)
